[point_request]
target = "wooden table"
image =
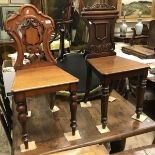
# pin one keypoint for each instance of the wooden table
(139, 51)
(125, 39)
(130, 39)
(151, 79)
(7, 42)
(42, 125)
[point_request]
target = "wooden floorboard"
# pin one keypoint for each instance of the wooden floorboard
(47, 129)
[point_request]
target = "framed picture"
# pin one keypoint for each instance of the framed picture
(136, 8)
(8, 11)
(20, 1)
(4, 1)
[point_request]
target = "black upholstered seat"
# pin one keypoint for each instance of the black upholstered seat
(75, 64)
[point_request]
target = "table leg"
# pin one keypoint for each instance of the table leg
(140, 95)
(104, 104)
(22, 116)
(73, 109)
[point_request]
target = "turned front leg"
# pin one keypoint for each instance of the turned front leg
(104, 104)
(88, 82)
(22, 116)
(73, 109)
(140, 95)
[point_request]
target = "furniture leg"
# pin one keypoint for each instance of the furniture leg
(73, 109)
(117, 146)
(104, 104)
(61, 50)
(52, 100)
(153, 140)
(88, 83)
(22, 116)
(140, 95)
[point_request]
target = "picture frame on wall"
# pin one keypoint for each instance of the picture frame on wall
(136, 8)
(8, 10)
(20, 1)
(4, 1)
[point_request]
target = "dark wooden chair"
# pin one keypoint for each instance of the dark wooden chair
(61, 39)
(102, 60)
(39, 74)
(75, 64)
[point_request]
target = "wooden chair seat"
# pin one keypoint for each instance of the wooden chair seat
(116, 65)
(112, 68)
(43, 78)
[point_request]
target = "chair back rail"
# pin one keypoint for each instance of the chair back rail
(31, 31)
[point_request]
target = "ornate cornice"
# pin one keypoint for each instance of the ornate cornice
(100, 6)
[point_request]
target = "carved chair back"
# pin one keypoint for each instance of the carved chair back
(31, 30)
(100, 19)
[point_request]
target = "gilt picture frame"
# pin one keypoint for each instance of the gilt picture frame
(136, 8)
(20, 1)
(4, 1)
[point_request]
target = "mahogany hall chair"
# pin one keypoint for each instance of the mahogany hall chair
(102, 59)
(75, 64)
(39, 74)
